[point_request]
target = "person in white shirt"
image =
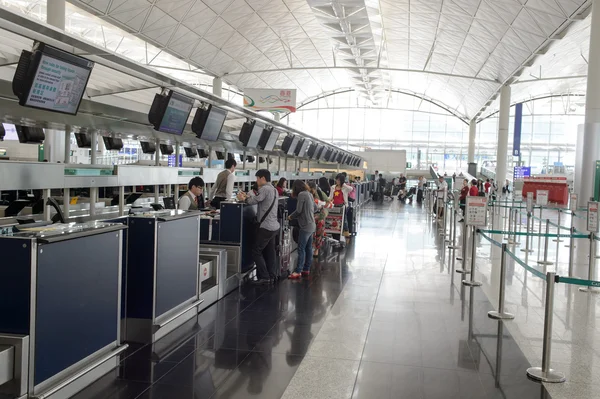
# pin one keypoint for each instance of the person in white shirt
(224, 184)
(193, 199)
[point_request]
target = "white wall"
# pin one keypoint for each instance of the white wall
(20, 152)
(385, 161)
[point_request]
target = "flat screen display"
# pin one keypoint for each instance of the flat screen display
(10, 132)
(302, 147)
(268, 139)
(208, 123)
(51, 79)
(255, 135)
(176, 113)
(293, 146)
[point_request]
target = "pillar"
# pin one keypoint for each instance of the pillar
(67, 158)
(56, 13)
(93, 190)
(472, 135)
(218, 87)
(277, 116)
(591, 135)
(503, 122)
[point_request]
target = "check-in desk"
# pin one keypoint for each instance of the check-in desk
(232, 230)
(60, 306)
(162, 282)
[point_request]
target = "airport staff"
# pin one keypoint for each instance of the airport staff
(224, 184)
(193, 199)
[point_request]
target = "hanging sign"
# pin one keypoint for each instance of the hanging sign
(541, 197)
(517, 130)
(573, 202)
(274, 100)
(476, 211)
(592, 217)
(529, 202)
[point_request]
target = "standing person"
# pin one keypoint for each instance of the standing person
(464, 192)
(339, 197)
(323, 204)
(402, 182)
(474, 191)
(506, 188)
(420, 187)
(304, 213)
(193, 199)
(487, 186)
(263, 251)
(493, 189)
(442, 192)
(281, 186)
(324, 186)
(224, 184)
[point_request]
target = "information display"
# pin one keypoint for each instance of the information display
(573, 202)
(176, 114)
(521, 172)
(542, 197)
(592, 217)
(214, 124)
(476, 211)
(529, 202)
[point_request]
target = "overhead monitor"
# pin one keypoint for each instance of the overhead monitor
(208, 122)
(268, 139)
(220, 155)
(251, 133)
(170, 112)
(202, 153)
(190, 152)
(289, 144)
(112, 143)
(51, 79)
(319, 152)
(148, 147)
(83, 140)
(250, 158)
(166, 149)
(261, 160)
(312, 150)
(32, 135)
(340, 157)
(302, 147)
(2, 132)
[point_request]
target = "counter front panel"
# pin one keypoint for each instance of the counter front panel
(14, 285)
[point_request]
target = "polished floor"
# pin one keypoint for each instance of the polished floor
(384, 319)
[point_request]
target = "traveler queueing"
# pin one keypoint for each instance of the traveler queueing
(323, 204)
(304, 214)
(339, 197)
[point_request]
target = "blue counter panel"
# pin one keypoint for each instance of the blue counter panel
(140, 268)
(231, 223)
(15, 271)
(176, 264)
(76, 302)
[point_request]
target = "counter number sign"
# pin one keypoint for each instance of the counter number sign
(573, 202)
(529, 202)
(542, 197)
(592, 218)
(476, 211)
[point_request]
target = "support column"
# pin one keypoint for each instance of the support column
(472, 136)
(177, 154)
(503, 121)
(156, 163)
(591, 135)
(67, 158)
(277, 116)
(218, 87)
(93, 190)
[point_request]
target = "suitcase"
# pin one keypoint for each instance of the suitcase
(377, 197)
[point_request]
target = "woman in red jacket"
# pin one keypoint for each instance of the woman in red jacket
(464, 191)
(473, 191)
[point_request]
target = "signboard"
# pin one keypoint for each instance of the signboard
(529, 202)
(592, 217)
(521, 172)
(171, 161)
(517, 130)
(573, 202)
(542, 197)
(597, 182)
(276, 100)
(476, 211)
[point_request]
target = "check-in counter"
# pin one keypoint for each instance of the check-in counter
(162, 283)
(60, 306)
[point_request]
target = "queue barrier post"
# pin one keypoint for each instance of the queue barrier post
(558, 239)
(463, 257)
(545, 373)
(472, 282)
(571, 252)
(501, 314)
(592, 266)
(546, 261)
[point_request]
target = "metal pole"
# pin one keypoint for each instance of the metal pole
(472, 282)
(453, 245)
(156, 163)
(592, 266)
(526, 249)
(66, 202)
(517, 239)
(546, 241)
(93, 190)
(571, 252)
(121, 200)
(571, 242)
(558, 238)
(545, 373)
(500, 314)
(510, 222)
(541, 209)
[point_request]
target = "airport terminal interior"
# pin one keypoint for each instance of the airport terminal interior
(299, 199)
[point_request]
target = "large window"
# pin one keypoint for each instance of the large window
(433, 136)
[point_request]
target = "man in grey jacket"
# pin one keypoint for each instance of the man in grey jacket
(263, 251)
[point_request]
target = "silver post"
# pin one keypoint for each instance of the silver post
(541, 209)
(500, 314)
(546, 241)
(472, 282)
(571, 252)
(592, 266)
(526, 249)
(510, 222)
(545, 373)
(559, 218)
(445, 217)
(121, 200)
(517, 239)
(571, 241)
(463, 258)
(453, 245)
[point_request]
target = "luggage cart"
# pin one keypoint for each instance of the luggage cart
(334, 226)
